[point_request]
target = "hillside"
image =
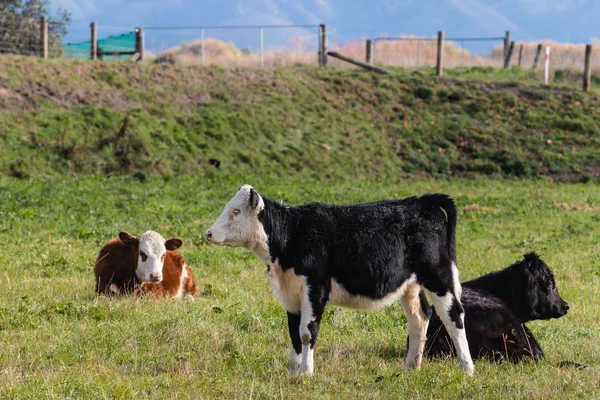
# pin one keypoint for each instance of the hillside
(75, 117)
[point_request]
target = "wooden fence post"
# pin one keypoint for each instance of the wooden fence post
(587, 71)
(520, 54)
(323, 45)
(369, 56)
(506, 43)
(139, 43)
(509, 55)
(94, 42)
(44, 38)
(440, 54)
(538, 53)
(359, 63)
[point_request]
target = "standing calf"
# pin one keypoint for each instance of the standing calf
(497, 305)
(365, 256)
(126, 262)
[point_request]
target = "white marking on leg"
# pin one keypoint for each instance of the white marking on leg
(456, 281)
(294, 367)
(114, 288)
(306, 317)
(443, 305)
(308, 366)
(417, 326)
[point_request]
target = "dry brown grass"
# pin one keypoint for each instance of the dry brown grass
(562, 55)
(477, 208)
(577, 207)
(407, 53)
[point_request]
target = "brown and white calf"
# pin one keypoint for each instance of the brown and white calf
(148, 264)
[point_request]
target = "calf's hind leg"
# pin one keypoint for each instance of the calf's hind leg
(445, 296)
(417, 325)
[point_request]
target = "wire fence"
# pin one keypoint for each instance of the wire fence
(234, 46)
(29, 37)
(415, 52)
(286, 45)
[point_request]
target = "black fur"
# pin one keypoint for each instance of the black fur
(370, 249)
(294, 329)
(455, 311)
(497, 305)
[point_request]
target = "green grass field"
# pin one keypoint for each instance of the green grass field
(58, 340)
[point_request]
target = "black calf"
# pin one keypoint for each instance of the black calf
(497, 305)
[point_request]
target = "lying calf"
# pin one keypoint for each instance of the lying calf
(497, 305)
(126, 262)
(365, 256)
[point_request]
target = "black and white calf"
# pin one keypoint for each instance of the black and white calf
(497, 305)
(364, 256)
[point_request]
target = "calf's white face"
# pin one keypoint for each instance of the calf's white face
(152, 250)
(238, 224)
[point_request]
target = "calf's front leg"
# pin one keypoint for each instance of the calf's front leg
(294, 368)
(313, 305)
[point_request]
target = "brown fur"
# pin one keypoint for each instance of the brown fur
(117, 262)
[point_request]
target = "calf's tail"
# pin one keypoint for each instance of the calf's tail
(447, 204)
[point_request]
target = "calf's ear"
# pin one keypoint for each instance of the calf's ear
(128, 239)
(173, 244)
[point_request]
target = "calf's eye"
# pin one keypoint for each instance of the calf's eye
(143, 255)
(235, 212)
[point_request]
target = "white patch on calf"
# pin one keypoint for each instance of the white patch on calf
(456, 281)
(184, 276)
(341, 297)
(288, 287)
(443, 304)
(114, 288)
(294, 367)
(308, 365)
(306, 317)
(150, 261)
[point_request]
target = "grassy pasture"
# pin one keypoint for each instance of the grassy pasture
(58, 340)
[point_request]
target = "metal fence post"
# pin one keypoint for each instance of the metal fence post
(262, 48)
(93, 42)
(440, 54)
(44, 37)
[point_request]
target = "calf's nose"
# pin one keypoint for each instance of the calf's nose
(209, 235)
(155, 276)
